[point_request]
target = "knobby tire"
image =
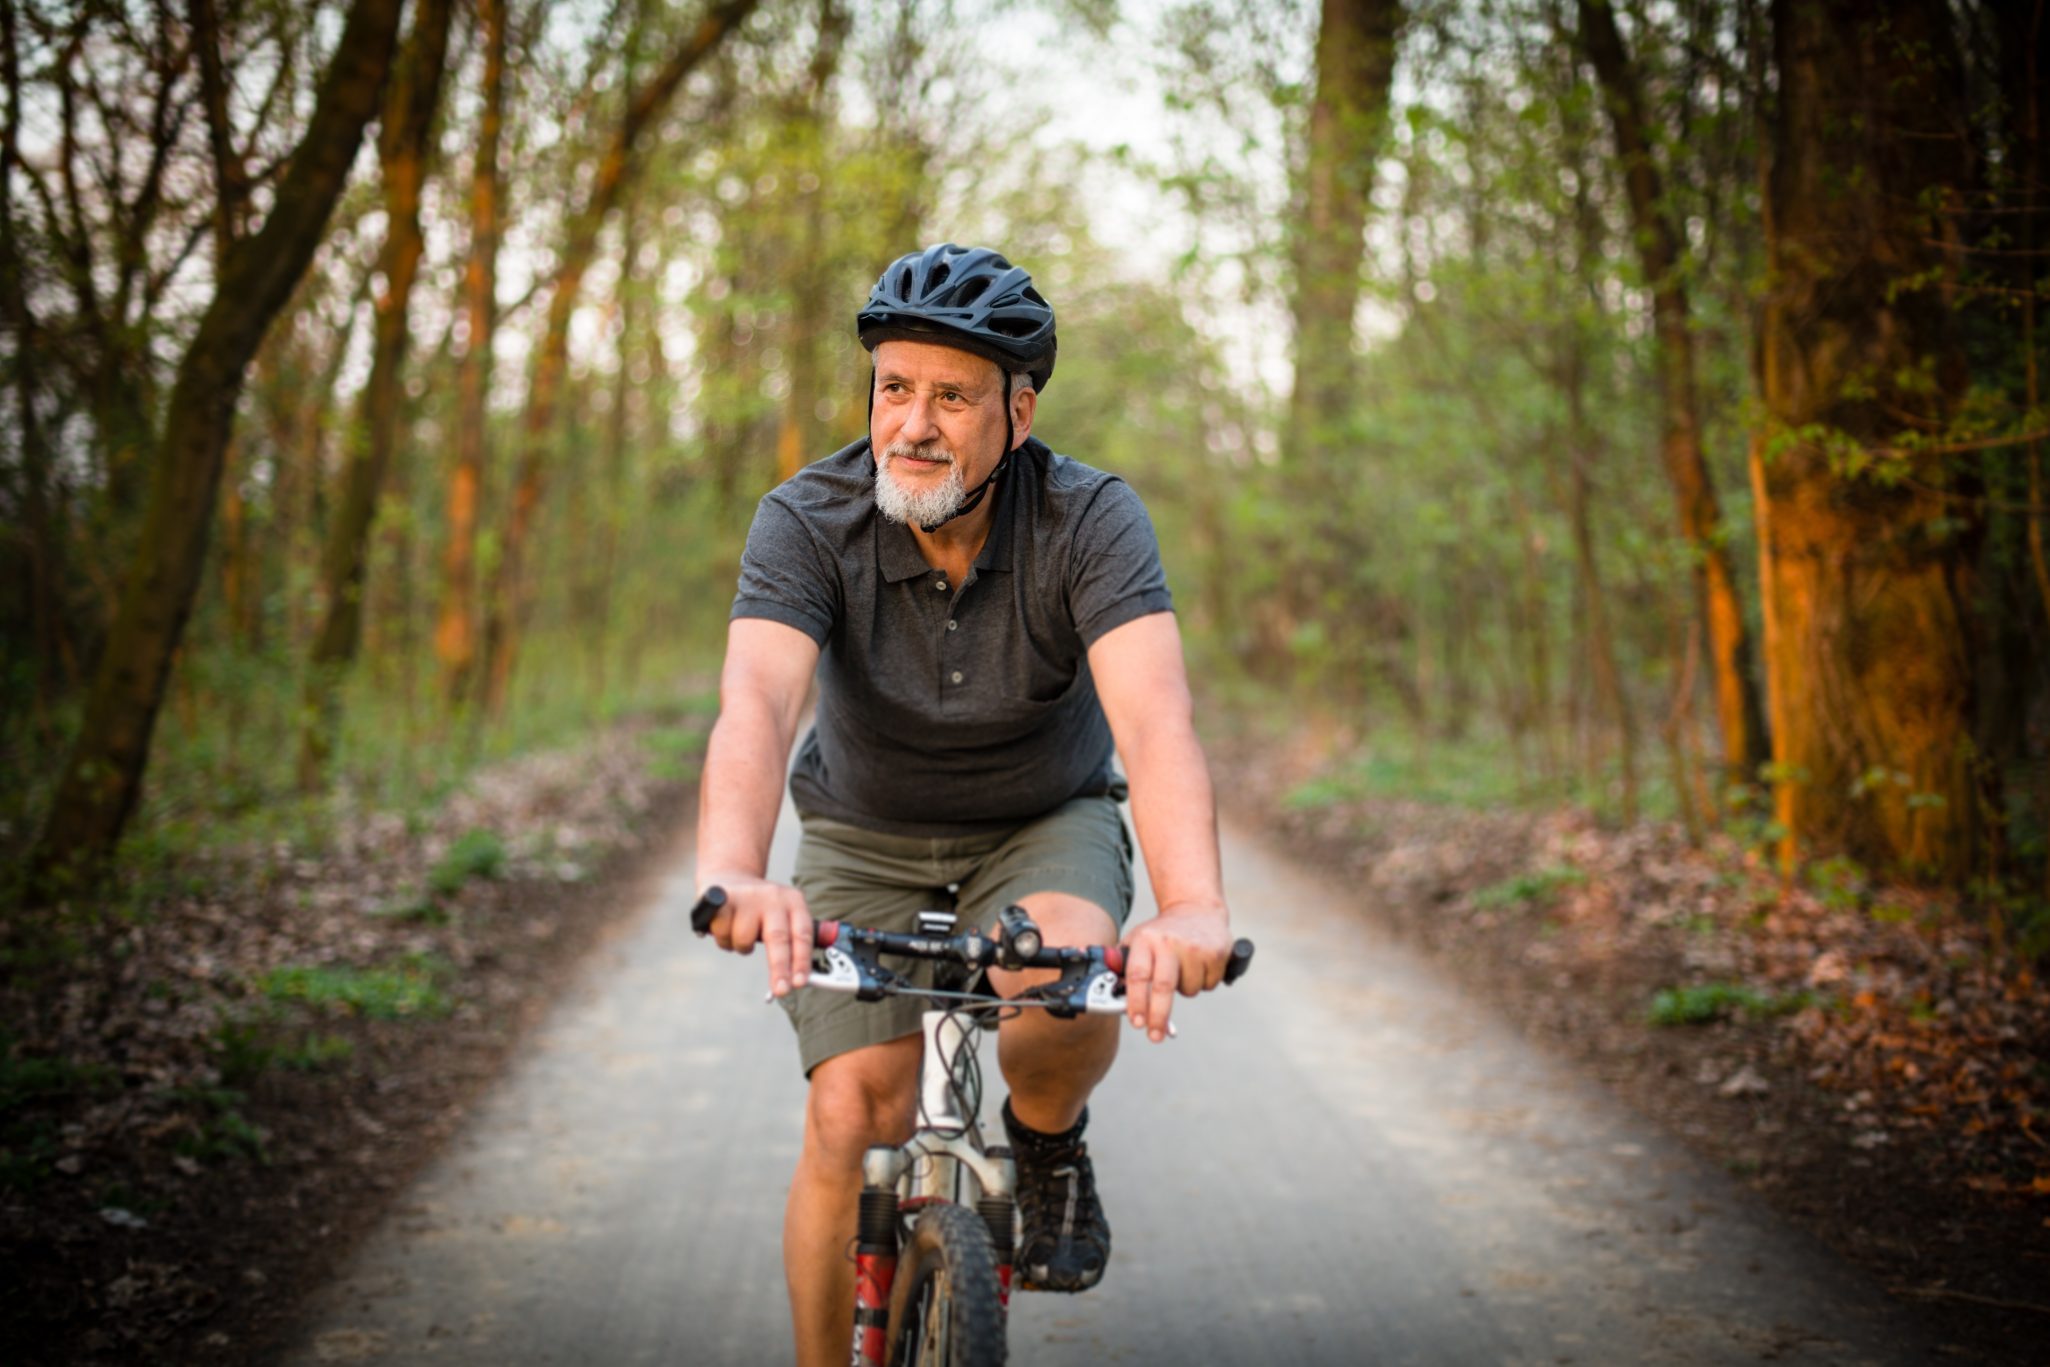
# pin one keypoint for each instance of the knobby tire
(947, 1309)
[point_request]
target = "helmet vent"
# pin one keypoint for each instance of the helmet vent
(971, 298)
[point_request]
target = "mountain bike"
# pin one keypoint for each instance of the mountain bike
(937, 1230)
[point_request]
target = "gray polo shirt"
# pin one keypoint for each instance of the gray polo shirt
(952, 708)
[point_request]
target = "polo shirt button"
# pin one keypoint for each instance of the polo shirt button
(952, 624)
(940, 584)
(957, 676)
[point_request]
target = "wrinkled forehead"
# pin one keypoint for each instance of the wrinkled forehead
(932, 363)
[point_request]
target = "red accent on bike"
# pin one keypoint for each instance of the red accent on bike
(1004, 1285)
(874, 1275)
(825, 932)
(1114, 959)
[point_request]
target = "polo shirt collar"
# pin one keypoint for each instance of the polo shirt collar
(897, 550)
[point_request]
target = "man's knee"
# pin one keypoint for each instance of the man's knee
(1063, 920)
(864, 1097)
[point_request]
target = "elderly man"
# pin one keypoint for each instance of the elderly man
(985, 619)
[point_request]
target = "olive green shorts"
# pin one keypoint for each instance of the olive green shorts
(850, 874)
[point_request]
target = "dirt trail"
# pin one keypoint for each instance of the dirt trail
(1343, 1160)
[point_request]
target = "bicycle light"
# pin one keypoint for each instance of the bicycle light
(1017, 931)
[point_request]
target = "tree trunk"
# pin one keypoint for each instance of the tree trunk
(801, 437)
(511, 599)
(103, 776)
(38, 506)
(455, 632)
(1606, 675)
(403, 149)
(1866, 581)
(1355, 62)
(1738, 709)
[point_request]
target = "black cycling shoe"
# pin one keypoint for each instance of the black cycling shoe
(1066, 1241)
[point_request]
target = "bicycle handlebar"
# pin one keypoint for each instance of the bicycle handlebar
(1092, 978)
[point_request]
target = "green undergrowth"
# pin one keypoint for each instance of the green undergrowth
(414, 986)
(31, 1087)
(1536, 889)
(1470, 773)
(222, 769)
(476, 854)
(1705, 1003)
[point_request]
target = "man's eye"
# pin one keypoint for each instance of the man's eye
(951, 395)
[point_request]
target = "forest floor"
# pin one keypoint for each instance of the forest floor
(1871, 1062)
(204, 1103)
(206, 1099)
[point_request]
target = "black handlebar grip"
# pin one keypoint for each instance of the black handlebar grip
(1241, 959)
(709, 906)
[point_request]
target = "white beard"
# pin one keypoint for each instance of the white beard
(925, 507)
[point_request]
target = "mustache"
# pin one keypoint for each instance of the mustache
(932, 449)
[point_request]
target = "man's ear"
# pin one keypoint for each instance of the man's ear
(1024, 403)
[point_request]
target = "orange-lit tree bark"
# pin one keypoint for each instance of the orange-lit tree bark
(402, 148)
(103, 774)
(455, 631)
(1348, 121)
(1738, 709)
(511, 599)
(1865, 579)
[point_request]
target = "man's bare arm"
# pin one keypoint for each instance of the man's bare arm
(1144, 687)
(762, 690)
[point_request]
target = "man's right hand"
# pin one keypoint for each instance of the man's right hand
(758, 911)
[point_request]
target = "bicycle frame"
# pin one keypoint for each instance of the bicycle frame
(944, 1160)
(944, 1163)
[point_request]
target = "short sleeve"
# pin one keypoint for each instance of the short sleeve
(1115, 574)
(783, 575)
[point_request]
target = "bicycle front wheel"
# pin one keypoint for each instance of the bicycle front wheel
(947, 1309)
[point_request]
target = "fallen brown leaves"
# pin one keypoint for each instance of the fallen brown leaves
(1876, 1060)
(206, 1089)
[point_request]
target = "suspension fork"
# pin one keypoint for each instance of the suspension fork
(875, 1252)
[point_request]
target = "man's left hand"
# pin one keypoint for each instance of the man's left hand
(1184, 949)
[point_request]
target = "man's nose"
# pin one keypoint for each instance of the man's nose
(918, 423)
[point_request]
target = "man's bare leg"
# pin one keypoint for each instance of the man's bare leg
(1053, 1065)
(857, 1099)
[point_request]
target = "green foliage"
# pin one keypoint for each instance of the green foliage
(411, 987)
(1535, 889)
(1841, 882)
(29, 1140)
(26, 1079)
(221, 1132)
(673, 752)
(475, 854)
(1447, 773)
(318, 1052)
(1703, 1003)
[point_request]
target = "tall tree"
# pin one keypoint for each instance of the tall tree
(103, 775)
(1348, 120)
(511, 599)
(1864, 559)
(455, 631)
(43, 547)
(1701, 523)
(402, 147)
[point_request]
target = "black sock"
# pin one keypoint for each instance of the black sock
(1024, 1136)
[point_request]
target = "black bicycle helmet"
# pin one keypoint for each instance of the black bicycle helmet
(965, 297)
